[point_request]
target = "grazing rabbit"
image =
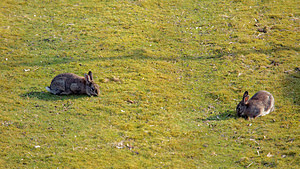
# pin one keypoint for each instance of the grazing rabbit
(260, 104)
(69, 83)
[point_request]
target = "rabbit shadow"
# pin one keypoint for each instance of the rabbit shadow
(227, 115)
(292, 83)
(46, 96)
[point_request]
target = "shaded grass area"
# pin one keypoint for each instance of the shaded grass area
(183, 67)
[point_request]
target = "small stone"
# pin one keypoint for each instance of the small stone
(269, 155)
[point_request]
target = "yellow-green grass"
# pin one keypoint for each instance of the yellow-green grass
(182, 66)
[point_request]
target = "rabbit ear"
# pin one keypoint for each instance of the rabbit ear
(91, 75)
(87, 77)
(245, 97)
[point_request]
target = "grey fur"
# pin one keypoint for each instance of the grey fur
(260, 104)
(69, 83)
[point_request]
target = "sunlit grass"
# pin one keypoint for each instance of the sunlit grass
(181, 68)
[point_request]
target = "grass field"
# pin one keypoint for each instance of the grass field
(171, 73)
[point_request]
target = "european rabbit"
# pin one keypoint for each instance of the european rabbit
(260, 104)
(69, 83)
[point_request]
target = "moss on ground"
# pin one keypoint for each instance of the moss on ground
(171, 74)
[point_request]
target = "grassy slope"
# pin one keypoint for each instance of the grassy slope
(185, 64)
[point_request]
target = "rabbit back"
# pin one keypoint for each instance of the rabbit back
(260, 104)
(67, 83)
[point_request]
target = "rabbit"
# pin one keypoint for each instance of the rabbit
(260, 104)
(69, 83)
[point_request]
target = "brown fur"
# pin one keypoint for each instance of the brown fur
(69, 83)
(260, 104)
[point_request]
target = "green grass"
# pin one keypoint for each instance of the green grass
(184, 64)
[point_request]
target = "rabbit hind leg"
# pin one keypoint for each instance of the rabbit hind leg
(75, 88)
(65, 92)
(54, 91)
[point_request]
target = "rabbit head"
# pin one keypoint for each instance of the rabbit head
(242, 106)
(92, 89)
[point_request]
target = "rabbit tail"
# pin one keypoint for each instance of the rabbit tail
(55, 91)
(48, 89)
